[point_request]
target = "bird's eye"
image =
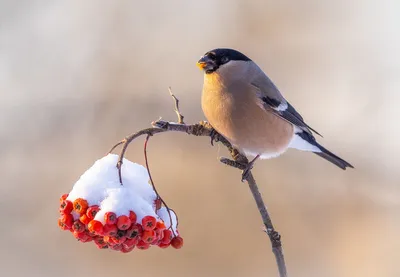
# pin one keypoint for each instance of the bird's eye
(224, 59)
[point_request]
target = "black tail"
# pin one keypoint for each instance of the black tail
(325, 153)
(329, 156)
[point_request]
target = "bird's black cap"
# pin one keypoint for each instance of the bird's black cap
(231, 54)
(215, 58)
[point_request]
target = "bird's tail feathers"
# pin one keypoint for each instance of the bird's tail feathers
(305, 141)
(329, 156)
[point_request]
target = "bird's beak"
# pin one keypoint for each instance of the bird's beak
(203, 62)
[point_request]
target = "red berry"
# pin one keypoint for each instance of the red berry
(120, 237)
(132, 217)
(89, 239)
(67, 220)
(149, 236)
(142, 245)
(137, 239)
(120, 234)
(149, 222)
(80, 236)
(126, 250)
(110, 230)
(160, 225)
(123, 222)
(100, 243)
(95, 226)
(177, 242)
(167, 236)
(78, 226)
(62, 225)
(92, 211)
(80, 205)
(117, 247)
(63, 197)
(155, 242)
(66, 207)
(110, 218)
(118, 240)
(135, 231)
(159, 234)
(129, 243)
(92, 235)
(163, 245)
(108, 240)
(99, 240)
(84, 219)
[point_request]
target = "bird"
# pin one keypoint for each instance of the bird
(243, 105)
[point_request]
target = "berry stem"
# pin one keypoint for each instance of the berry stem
(154, 187)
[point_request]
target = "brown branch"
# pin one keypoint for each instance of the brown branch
(115, 146)
(239, 161)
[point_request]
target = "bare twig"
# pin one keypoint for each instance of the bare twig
(233, 163)
(239, 161)
(115, 146)
(177, 111)
(126, 141)
(274, 236)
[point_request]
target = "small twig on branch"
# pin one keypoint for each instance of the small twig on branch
(239, 161)
(115, 146)
(233, 163)
(177, 111)
(126, 141)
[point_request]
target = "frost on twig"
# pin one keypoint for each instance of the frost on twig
(238, 161)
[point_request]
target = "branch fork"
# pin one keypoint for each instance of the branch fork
(238, 161)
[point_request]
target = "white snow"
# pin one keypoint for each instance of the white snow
(163, 214)
(100, 185)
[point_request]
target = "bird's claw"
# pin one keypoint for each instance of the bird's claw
(214, 136)
(246, 171)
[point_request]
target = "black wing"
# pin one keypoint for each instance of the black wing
(283, 109)
(291, 115)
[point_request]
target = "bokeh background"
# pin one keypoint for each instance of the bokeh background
(77, 76)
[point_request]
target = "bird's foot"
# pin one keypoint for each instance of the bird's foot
(246, 172)
(214, 136)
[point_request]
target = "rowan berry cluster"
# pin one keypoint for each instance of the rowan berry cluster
(121, 233)
(118, 216)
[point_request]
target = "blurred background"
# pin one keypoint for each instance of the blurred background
(78, 76)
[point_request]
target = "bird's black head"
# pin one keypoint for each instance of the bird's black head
(213, 59)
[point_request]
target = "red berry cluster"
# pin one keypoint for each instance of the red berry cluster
(120, 233)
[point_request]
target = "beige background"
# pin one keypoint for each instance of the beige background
(77, 76)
